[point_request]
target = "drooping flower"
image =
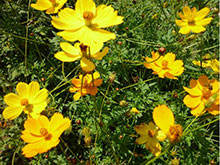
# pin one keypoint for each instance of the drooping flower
(203, 96)
(42, 134)
(84, 53)
(164, 66)
(52, 6)
(149, 136)
(29, 99)
(85, 23)
(194, 21)
(164, 119)
(85, 85)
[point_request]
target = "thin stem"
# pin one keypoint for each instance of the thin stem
(190, 124)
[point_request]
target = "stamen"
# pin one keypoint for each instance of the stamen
(24, 102)
(151, 133)
(88, 15)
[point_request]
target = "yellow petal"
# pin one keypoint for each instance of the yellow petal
(58, 124)
(142, 129)
(169, 57)
(192, 101)
(106, 17)
(65, 57)
(33, 126)
(61, 3)
(52, 10)
(39, 97)
(202, 13)
(34, 87)
(68, 48)
(161, 136)
(67, 20)
(42, 5)
(96, 75)
(215, 65)
(12, 99)
(197, 29)
(193, 91)
(29, 150)
(181, 23)
(176, 64)
(199, 110)
(77, 96)
(204, 22)
(12, 112)
(87, 65)
(22, 89)
(184, 30)
(163, 117)
(142, 139)
(29, 138)
(85, 5)
(38, 108)
(100, 55)
(186, 11)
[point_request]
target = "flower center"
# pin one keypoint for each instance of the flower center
(83, 50)
(164, 64)
(24, 102)
(206, 91)
(191, 20)
(44, 132)
(88, 16)
(151, 133)
(175, 133)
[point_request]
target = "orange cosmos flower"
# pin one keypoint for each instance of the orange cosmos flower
(165, 66)
(52, 6)
(84, 53)
(194, 21)
(203, 96)
(85, 22)
(164, 119)
(29, 99)
(85, 85)
(42, 134)
(149, 136)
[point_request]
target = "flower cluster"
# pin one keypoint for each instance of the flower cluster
(164, 66)
(203, 96)
(165, 127)
(85, 85)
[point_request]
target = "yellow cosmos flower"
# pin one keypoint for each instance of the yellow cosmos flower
(29, 99)
(52, 6)
(194, 21)
(202, 92)
(42, 134)
(165, 66)
(84, 53)
(85, 85)
(164, 119)
(85, 22)
(149, 136)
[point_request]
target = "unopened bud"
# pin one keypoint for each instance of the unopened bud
(123, 103)
(112, 77)
(162, 50)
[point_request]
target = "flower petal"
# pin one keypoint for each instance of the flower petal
(186, 11)
(192, 101)
(58, 124)
(65, 57)
(142, 129)
(85, 5)
(12, 112)
(214, 109)
(203, 80)
(199, 110)
(30, 149)
(39, 97)
(142, 139)
(22, 89)
(92, 91)
(202, 13)
(34, 87)
(204, 22)
(181, 23)
(163, 117)
(12, 99)
(101, 54)
(33, 126)
(106, 17)
(87, 65)
(42, 5)
(184, 30)
(193, 91)
(72, 50)
(67, 20)
(197, 29)
(38, 108)
(77, 96)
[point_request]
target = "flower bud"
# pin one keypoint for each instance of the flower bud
(162, 50)
(112, 77)
(123, 103)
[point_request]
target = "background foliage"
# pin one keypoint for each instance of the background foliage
(148, 25)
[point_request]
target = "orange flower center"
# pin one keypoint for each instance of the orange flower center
(164, 64)
(44, 132)
(54, 3)
(175, 133)
(87, 15)
(83, 49)
(24, 102)
(206, 91)
(151, 133)
(191, 20)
